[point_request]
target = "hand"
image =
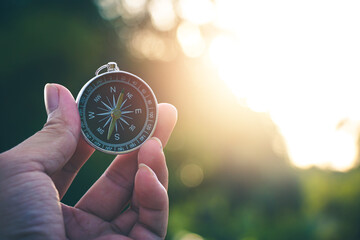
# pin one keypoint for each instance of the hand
(35, 175)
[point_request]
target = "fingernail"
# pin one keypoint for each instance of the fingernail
(51, 96)
(159, 141)
(147, 168)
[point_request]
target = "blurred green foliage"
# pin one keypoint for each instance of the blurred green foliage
(249, 191)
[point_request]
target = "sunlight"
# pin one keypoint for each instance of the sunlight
(162, 14)
(225, 53)
(190, 39)
(300, 63)
(190, 10)
(134, 7)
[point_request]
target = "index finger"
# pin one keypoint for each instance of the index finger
(64, 177)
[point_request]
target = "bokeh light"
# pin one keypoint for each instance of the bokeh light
(135, 7)
(197, 12)
(298, 62)
(191, 236)
(190, 39)
(191, 175)
(162, 14)
(296, 70)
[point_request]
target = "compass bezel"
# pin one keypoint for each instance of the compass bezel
(81, 92)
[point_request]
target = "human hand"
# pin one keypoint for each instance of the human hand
(36, 174)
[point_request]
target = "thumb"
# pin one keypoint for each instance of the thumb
(50, 148)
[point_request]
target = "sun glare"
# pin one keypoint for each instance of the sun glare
(298, 61)
(190, 39)
(162, 14)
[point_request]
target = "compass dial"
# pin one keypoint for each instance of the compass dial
(118, 112)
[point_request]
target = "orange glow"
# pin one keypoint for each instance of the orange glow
(162, 14)
(302, 71)
(197, 12)
(297, 61)
(190, 39)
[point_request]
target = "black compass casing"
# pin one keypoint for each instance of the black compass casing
(134, 119)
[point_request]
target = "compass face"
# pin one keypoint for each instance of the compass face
(118, 112)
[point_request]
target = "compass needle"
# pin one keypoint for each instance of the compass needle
(120, 100)
(115, 114)
(111, 128)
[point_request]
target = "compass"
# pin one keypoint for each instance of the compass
(118, 110)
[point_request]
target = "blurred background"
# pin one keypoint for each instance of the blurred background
(266, 146)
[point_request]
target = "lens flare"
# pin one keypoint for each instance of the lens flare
(299, 63)
(191, 175)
